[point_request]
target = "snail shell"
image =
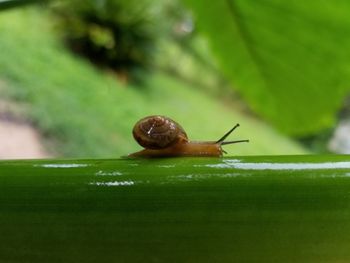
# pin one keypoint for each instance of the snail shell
(158, 132)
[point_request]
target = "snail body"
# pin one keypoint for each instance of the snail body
(163, 137)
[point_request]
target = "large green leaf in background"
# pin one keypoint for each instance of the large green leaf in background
(289, 59)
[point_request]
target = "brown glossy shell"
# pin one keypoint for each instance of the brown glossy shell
(158, 132)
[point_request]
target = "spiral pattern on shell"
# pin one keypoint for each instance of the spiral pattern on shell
(158, 132)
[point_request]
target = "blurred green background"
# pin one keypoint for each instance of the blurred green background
(76, 75)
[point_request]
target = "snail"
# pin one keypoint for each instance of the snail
(163, 137)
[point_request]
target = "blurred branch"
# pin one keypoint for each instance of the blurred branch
(7, 4)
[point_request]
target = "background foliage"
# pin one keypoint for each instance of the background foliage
(235, 61)
(113, 34)
(83, 111)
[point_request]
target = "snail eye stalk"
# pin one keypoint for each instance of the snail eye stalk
(231, 142)
(221, 141)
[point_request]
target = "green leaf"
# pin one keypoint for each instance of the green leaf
(289, 60)
(242, 209)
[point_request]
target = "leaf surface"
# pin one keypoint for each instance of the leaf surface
(242, 209)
